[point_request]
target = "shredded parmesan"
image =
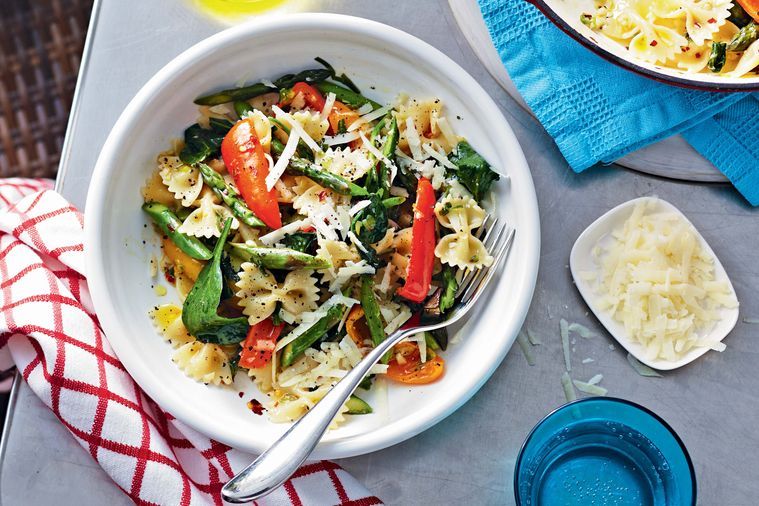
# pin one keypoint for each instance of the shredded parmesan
(589, 388)
(658, 281)
(525, 346)
(564, 331)
(414, 143)
(642, 369)
(275, 236)
(340, 138)
(295, 126)
(365, 109)
(569, 389)
(441, 158)
(446, 130)
(534, 340)
(375, 114)
(359, 206)
(284, 159)
(329, 103)
(581, 329)
(595, 380)
(355, 240)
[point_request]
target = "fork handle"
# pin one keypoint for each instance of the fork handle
(273, 467)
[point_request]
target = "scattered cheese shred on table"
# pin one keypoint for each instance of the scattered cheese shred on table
(525, 345)
(657, 280)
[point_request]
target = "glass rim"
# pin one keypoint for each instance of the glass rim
(611, 400)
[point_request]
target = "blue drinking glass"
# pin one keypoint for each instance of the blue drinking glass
(603, 451)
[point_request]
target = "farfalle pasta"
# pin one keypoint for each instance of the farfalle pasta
(302, 229)
(260, 293)
(460, 248)
(692, 35)
(207, 218)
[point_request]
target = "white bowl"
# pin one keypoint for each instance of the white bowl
(372, 54)
(581, 260)
(566, 15)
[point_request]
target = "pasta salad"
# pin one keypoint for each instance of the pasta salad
(718, 36)
(301, 224)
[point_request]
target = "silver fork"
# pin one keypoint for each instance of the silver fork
(273, 467)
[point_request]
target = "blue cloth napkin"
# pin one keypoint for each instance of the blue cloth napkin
(598, 112)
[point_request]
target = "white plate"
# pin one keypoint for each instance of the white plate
(566, 15)
(672, 157)
(581, 260)
(372, 54)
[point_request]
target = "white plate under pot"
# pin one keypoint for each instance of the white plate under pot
(672, 157)
(372, 54)
(581, 260)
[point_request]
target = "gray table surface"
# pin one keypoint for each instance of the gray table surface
(469, 457)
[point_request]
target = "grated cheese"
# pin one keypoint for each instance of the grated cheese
(658, 281)
(564, 331)
(355, 240)
(295, 126)
(359, 206)
(569, 389)
(595, 380)
(284, 160)
(414, 143)
(348, 271)
(441, 158)
(446, 130)
(534, 340)
(581, 329)
(365, 109)
(275, 236)
(340, 138)
(642, 369)
(329, 103)
(525, 346)
(589, 388)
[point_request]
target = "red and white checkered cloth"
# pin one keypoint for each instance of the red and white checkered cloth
(49, 331)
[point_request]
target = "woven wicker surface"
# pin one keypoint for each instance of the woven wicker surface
(40, 49)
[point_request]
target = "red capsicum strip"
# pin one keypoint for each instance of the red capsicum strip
(244, 157)
(258, 347)
(420, 264)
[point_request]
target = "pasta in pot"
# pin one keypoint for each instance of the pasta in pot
(692, 35)
(297, 244)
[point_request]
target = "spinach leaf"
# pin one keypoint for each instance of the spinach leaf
(473, 171)
(199, 310)
(370, 223)
(200, 143)
(305, 242)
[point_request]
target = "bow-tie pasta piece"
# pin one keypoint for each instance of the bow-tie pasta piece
(461, 214)
(204, 362)
(259, 292)
(299, 292)
(463, 250)
(208, 218)
(256, 292)
(183, 181)
(168, 320)
(200, 361)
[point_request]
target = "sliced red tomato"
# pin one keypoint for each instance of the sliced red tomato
(244, 157)
(410, 369)
(419, 275)
(751, 7)
(311, 95)
(315, 100)
(258, 347)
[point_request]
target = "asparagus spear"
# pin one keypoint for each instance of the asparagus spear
(230, 197)
(254, 90)
(242, 108)
(327, 179)
(744, 38)
(717, 57)
(346, 96)
(168, 222)
(313, 334)
(279, 258)
(372, 314)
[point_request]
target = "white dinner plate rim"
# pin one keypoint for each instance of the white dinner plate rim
(528, 233)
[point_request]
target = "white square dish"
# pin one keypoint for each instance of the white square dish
(581, 260)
